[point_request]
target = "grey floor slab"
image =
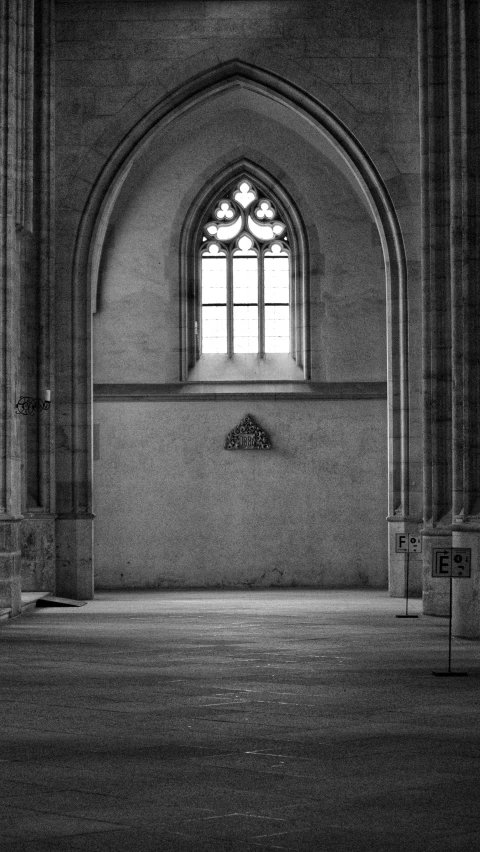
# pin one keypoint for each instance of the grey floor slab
(307, 721)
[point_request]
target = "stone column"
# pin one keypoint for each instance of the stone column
(73, 393)
(13, 212)
(74, 524)
(449, 98)
(466, 591)
(26, 251)
(403, 488)
(38, 501)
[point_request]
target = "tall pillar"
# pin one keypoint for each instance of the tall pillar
(13, 213)
(74, 523)
(404, 501)
(450, 136)
(73, 392)
(38, 498)
(26, 250)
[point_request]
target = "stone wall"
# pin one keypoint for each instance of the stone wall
(123, 71)
(175, 509)
(201, 516)
(116, 62)
(37, 545)
(136, 320)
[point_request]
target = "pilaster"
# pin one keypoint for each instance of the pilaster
(73, 411)
(436, 592)
(26, 251)
(466, 590)
(37, 545)
(74, 540)
(450, 143)
(13, 203)
(10, 565)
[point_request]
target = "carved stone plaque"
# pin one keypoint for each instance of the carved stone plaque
(247, 436)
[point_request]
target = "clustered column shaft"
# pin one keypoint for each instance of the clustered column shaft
(449, 97)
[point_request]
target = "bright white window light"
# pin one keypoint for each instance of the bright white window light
(245, 276)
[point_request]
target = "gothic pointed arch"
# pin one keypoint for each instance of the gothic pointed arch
(345, 147)
(220, 80)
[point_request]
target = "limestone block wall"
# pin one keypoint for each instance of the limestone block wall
(217, 518)
(174, 508)
(117, 61)
(37, 545)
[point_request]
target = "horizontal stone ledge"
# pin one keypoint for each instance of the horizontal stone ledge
(436, 532)
(455, 528)
(191, 391)
(38, 515)
(466, 528)
(75, 516)
(404, 519)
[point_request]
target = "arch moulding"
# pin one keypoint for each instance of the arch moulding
(105, 191)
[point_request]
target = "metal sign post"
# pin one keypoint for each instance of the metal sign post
(407, 544)
(451, 562)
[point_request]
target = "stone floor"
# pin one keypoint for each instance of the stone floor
(306, 721)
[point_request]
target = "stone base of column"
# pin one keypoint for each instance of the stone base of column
(74, 546)
(466, 591)
(397, 575)
(37, 544)
(10, 565)
(436, 591)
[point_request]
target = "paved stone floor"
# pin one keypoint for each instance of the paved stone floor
(307, 721)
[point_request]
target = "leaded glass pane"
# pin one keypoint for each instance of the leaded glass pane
(224, 211)
(277, 279)
(277, 328)
(244, 229)
(245, 246)
(214, 329)
(228, 232)
(245, 194)
(245, 280)
(265, 210)
(245, 329)
(214, 280)
(262, 232)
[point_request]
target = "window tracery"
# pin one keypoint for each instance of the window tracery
(245, 276)
(244, 284)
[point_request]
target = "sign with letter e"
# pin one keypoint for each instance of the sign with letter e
(452, 562)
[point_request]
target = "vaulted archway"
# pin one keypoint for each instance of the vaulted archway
(133, 157)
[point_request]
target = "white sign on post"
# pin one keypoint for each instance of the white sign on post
(405, 543)
(452, 562)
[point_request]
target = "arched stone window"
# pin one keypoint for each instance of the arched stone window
(246, 300)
